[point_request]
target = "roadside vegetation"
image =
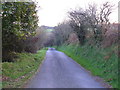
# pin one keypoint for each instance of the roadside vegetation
(100, 62)
(20, 30)
(22, 43)
(15, 74)
(89, 38)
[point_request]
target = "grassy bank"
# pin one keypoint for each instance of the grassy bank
(15, 74)
(101, 62)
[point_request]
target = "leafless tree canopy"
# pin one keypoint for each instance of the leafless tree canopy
(90, 19)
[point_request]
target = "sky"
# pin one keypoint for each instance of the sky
(52, 12)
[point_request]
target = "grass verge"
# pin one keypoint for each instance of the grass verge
(14, 74)
(101, 62)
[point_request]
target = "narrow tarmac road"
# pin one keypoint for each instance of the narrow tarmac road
(60, 71)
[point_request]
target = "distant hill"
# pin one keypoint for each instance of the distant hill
(46, 27)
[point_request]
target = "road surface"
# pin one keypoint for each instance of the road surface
(60, 71)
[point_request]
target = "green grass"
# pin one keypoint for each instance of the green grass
(15, 74)
(49, 30)
(94, 59)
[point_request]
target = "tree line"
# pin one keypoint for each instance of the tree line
(88, 25)
(19, 24)
(20, 31)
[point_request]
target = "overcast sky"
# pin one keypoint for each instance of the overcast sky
(54, 11)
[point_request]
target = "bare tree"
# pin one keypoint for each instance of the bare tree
(41, 35)
(62, 32)
(105, 12)
(79, 23)
(90, 19)
(50, 40)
